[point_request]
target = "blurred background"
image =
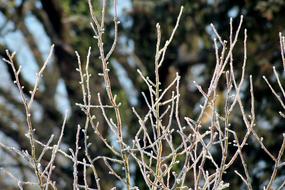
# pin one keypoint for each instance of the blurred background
(29, 27)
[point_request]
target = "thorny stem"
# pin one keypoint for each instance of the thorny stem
(86, 95)
(27, 105)
(159, 58)
(105, 61)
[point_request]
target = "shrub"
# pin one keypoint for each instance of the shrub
(170, 152)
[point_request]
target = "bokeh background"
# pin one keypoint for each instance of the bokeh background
(29, 27)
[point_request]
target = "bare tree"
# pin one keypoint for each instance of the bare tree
(170, 152)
